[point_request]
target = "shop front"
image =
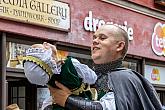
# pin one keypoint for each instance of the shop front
(69, 25)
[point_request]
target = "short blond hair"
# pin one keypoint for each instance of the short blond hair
(120, 33)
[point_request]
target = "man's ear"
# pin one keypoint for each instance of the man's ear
(120, 46)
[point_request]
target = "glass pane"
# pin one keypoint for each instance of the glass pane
(14, 100)
(42, 94)
(21, 103)
(16, 54)
(158, 94)
(133, 66)
(130, 65)
(14, 91)
(88, 62)
(21, 91)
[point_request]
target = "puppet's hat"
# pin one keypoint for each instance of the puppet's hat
(39, 65)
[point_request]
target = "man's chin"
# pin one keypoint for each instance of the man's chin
(94, 56)
(96, 59)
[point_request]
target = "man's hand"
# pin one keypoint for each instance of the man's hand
(59, 94)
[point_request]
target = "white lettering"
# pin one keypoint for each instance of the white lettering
(160, 42)
(101, 22)
(88, 22)
(95, 23)
(130, 33)
(92, 24)
(157, 41)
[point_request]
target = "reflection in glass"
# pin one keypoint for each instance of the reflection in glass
(15, 53)
(21, 91)
(130, 65)
(14, 92)
(22, 103)
(14, 100)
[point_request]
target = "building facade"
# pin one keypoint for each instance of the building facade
(69, 24)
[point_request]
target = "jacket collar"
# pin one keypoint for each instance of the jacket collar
(108, 67)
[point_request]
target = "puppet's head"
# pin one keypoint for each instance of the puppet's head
(40, 64)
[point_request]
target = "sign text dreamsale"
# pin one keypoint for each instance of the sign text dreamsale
(92, 24)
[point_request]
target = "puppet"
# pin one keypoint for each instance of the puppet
(42, 66)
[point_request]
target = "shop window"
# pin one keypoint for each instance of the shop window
(15, 53)
(18, 96)
(160, 2)
(161, 95)
(42, 94)
(130, 65)
(88, 62)
(16, 46)
(155, 74)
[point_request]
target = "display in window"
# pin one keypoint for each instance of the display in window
(154, 74)
(42, 94)
(130, 65)
(15, 53)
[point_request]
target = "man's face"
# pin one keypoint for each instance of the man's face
(104, 46)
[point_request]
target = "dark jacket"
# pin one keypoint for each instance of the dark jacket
(132, 91)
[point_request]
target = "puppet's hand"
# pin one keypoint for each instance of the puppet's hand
(59, 94)
(54, 50)
(38, 46)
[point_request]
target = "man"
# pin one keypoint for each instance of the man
(118, 88)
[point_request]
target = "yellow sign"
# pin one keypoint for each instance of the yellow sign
(48, 13)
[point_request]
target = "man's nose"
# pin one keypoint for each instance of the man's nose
(95, 41)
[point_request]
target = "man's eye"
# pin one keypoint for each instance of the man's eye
(102, 37)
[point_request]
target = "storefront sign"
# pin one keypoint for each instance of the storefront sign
(158, 39)
(155, 74)
(91, 24)
(48, 13)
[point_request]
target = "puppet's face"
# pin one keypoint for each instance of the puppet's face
(40, 64)
(35, 74)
